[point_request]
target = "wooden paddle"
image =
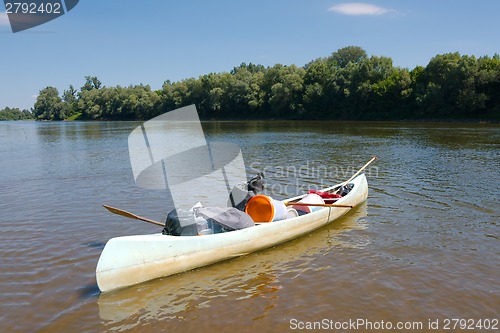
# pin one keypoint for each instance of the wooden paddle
(317, 204)
(132, 216)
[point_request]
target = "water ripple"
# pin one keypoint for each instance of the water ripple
(425, 245)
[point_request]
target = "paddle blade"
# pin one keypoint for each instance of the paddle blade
(121, 212)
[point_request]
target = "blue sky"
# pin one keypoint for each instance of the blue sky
(131, 42)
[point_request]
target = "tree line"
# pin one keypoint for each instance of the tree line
(15, 114)
(347, 85)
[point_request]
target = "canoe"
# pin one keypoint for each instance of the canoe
(130, 260)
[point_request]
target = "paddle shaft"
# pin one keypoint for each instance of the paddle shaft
(316, 204)
(357, 173)
(132, 216)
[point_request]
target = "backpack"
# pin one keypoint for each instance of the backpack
(180, 224)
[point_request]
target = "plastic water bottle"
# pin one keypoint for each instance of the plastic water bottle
(185, 217)
(203, 226)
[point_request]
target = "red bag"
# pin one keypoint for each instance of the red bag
(326, 195)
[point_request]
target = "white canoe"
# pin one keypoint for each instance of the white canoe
(129, 260)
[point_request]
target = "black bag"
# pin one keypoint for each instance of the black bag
(344, 190)
(183, 226)
(256, 184)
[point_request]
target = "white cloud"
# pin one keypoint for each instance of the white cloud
(4, 20)
(359, 8)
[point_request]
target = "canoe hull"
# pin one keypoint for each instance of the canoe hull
(130, 260)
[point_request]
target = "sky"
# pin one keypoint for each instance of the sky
(150, 41)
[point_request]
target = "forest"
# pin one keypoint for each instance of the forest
(347, 85)
(15, 114)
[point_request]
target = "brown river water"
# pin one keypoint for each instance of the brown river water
(421, 255)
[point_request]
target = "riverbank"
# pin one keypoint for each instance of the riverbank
(451, 121)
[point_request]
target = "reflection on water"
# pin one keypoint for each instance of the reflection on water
(256, 275)
(425, 245)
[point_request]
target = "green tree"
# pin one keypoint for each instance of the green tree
(70, 100)
(90, 104)
(15, 114)
(141, 103)
(488, 85)
(91, 83)
(48, 105)
(348, 55)
(282, 91)
(286, 93)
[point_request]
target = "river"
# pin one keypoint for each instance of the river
(422, 252)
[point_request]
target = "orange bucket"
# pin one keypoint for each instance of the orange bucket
(265, 209)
